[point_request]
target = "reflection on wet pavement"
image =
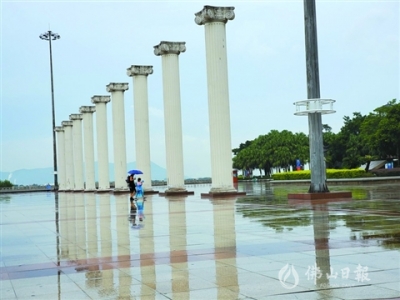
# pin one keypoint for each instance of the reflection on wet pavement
(259, 246)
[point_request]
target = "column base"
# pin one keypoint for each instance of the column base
(78, 191)
(120, 191)
(223, 194)
(103, 190)
(150, 192)
(89, 191)
(176, 191)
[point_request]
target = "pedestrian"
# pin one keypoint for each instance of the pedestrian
(139, 188)
(132, 187)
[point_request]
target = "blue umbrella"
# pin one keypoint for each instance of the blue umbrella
(133, 172)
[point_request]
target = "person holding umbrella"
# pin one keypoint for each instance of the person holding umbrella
(131, 184)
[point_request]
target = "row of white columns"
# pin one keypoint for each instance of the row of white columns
(69, 135)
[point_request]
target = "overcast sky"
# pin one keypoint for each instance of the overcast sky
(358, 44)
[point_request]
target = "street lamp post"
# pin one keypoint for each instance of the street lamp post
(48, 36)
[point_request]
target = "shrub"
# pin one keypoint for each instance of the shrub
(330, 174)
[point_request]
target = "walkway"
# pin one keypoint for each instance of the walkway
(262, 246)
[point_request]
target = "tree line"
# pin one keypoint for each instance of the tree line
(5, 184)
(361, 139)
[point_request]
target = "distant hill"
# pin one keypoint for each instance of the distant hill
(45, 175)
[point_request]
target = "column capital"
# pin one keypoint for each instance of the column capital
(66, 123)
(101, 99)
(214, 14)
(117, 87)
(59, 129)
(87, 109)
(139, 70)
(169, 48)
(74, 117)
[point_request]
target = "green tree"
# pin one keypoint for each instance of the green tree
(5, 184)
(381, 130)
(360, 140)
(352, 158)
(241, 147)
(346, 149)
(329, 139)
(275, 149)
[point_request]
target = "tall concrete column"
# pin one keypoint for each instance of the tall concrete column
(317, 161)
(102, 142)
(118, 115)
(88, 141)
(69, 156)
(169, 52)
(214, 20)
(141, 115)
(78, 151)
(61, 157)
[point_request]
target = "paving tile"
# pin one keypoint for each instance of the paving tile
(7, 290)
(43, 289)
(200, 248)
(300, 296)
(363, 292)
(25, 282)
(391, 286)
(214, 293)
(257, 290)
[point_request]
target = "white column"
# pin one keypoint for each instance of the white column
(102, 141)
(169, 52)
(69, 156)
(141, 116)
(88, 141)
(214, 19)
(78, 150)
(118, 115)
(61, 157)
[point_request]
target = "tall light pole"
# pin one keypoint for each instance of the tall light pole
(48, 36)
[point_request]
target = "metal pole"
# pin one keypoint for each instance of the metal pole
(317, 162)
(48, 36)
(54, 118)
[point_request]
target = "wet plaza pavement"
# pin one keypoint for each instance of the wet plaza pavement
(258, 246)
